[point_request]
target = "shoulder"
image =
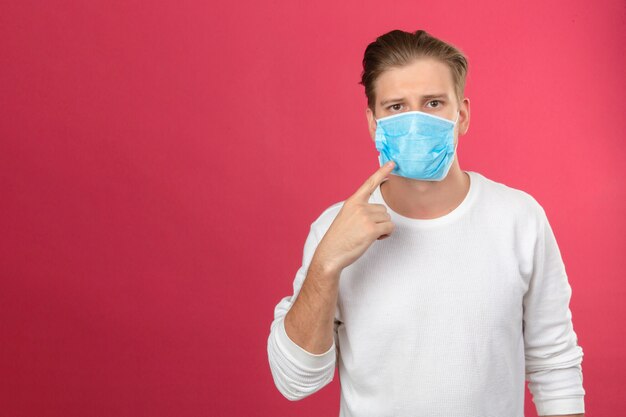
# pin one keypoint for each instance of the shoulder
(505, 200)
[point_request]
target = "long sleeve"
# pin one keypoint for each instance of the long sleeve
(298, 373)
(553, 357)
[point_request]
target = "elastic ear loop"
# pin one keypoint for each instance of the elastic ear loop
(458, 113)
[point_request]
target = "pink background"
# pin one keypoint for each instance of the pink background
(162, 162)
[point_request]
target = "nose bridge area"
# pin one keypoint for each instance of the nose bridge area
(413, 103)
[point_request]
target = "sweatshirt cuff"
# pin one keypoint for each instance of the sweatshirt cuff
(560, 406)
(305, 358)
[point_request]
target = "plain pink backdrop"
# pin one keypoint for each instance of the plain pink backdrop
(161, 163)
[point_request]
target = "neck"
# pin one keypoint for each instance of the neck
(426, 199)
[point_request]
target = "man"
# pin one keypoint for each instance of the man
(436, 291)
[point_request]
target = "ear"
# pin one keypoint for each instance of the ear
(464, 117)
(371, 122)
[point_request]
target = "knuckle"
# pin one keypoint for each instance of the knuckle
(370, 229)
(351, 203)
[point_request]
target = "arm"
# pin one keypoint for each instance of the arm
(553, 357)
(303, 345)
(303, 368)
(310, 321)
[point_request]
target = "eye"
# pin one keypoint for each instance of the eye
(394, 107)
(438, 103)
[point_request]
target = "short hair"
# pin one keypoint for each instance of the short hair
(398, 48)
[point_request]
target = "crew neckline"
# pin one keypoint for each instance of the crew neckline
(461, 209)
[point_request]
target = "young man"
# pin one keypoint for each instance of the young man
(436, 291)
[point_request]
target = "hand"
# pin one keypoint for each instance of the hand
(356, 226)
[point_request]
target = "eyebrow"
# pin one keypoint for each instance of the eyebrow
(425, 97)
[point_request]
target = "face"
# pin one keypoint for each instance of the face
(425, 85)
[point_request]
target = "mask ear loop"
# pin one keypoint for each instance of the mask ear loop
(458, 114)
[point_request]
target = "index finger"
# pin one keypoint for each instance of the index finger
(368, 187)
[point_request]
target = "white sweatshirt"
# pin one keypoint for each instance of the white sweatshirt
(446, 317)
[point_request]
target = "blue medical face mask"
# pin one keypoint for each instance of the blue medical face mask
(420, 144)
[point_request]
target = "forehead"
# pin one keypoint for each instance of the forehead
(421, 77)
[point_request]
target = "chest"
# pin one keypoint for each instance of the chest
(421, 283)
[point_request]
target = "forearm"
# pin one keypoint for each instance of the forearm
(310, 321)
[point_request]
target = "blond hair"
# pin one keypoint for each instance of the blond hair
(398, 48)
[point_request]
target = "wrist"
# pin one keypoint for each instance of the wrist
(326, 267)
